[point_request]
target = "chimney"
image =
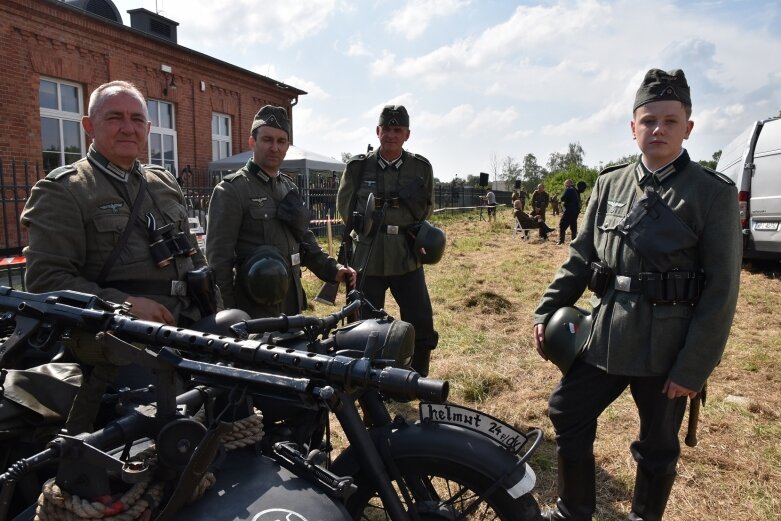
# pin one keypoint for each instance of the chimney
(153, 24)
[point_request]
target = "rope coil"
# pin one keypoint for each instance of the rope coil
(54, 504)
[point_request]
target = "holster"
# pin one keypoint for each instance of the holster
(600, 279)
(202, 288)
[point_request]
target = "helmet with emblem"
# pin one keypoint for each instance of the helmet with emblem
(263, 277)
(565, 336)
(429, 242)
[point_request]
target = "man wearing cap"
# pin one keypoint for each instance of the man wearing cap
(660, 249)
(403, 186)
(570, 200)
(259, 229)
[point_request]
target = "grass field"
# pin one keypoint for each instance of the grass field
(484, 292)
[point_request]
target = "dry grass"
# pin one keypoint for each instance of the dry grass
(484, 292)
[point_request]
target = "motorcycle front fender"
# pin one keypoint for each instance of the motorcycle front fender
(455, 444)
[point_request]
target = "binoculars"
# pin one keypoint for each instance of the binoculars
(165, 244)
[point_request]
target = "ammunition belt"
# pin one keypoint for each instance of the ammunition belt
(169, 288)
(671, 287)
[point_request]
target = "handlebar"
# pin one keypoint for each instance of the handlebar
(285, 323)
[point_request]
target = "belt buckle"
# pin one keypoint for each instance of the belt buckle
(623, 283)
(392, 230)
(295, 259)
(178, 288)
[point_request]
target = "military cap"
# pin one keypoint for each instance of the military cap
(395, 115)
(659, 85)
(272, 116)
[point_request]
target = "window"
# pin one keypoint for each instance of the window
(62, 138)
(221, 136)
(162, 136)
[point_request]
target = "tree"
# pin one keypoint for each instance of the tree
(511, 170)
(711, 163)
(531, 172)
(493, 163)
(572, 158)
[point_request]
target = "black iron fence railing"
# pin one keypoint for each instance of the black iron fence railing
(318, 191)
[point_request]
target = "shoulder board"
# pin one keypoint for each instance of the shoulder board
(152, 166)
(718, 175)
(159, 170)
(359, 157)
(232, 177)
(61, 172)
(286, 176)
(611, 168)
(420, 158)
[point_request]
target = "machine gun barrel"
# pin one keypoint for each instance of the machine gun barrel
(92, 314)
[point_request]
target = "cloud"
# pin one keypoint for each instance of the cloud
(284, 23)
(414, 18)
(313, 89)
(356, 47)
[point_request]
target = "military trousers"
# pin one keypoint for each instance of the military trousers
(569, 219)
(586, 391)
(411, 294)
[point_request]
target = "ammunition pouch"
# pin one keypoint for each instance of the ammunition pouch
(671, 287)
(600, 279)
(202, 289)
(654, 230)
(294, 214)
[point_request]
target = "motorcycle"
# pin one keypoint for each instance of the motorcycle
(453, 463)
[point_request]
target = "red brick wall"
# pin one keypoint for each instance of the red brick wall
(46, 38)
(43, 38)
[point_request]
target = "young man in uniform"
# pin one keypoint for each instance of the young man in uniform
(403, 187)
(665, 289)
(258, 235)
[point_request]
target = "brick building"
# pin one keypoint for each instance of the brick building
(54, 53)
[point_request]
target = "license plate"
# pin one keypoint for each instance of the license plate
(767, 226)
(490, 427)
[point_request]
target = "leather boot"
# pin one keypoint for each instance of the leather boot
(577, 491)
(420, 360)
(651, 494)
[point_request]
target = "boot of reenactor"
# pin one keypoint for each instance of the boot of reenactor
(577, 491)
(651, 494)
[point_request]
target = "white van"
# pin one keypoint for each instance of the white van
(753, 161)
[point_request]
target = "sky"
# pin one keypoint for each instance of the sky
(484, 80)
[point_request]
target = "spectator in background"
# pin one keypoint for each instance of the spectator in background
(540, 200)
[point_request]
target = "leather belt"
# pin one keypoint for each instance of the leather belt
(392, 229)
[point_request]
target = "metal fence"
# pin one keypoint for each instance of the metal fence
(318, 189)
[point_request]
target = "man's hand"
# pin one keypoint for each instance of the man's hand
(539, 339)
(347, 275)
(148, 309)
(673, 390)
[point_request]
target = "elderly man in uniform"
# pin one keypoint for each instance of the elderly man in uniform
(403, 184)
(661, 250)
(91, 224)
(258, 235)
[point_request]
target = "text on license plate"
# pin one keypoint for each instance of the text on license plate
(771, 226)
(489, 426)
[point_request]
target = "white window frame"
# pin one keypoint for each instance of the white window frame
(220, 138)
(163, 131)
(63, 115)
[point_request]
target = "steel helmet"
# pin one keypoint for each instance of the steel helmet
(431, 240)
(565, 336)
(263, 277)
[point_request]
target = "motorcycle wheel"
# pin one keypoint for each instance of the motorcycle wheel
(443, 490)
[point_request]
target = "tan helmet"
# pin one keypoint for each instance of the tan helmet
(264, 277)
(565, 336)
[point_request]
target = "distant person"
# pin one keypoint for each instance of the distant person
(522, 196)
(540, 201)
(661, 251)
(570, 199)
(403, 184)
(258, 236)
(554, 204)
(490, 201)
(529, 222)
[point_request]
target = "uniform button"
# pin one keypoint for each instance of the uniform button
(265, 216)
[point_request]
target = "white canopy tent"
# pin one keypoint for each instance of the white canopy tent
(297, 161)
